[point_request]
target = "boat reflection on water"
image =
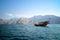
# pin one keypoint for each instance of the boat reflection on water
(42, 23)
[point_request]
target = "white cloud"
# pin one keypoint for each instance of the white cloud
(10, 14)
(23, 15)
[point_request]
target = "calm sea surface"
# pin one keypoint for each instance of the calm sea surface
(29, 32)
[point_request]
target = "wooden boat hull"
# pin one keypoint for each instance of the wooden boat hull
(42, 23)
(39, 25)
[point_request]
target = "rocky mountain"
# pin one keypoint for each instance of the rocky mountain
(2, 21)
(18, 21)
(51, 18)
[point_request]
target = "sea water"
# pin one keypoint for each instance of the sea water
(29, 32)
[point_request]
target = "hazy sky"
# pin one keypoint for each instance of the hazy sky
(28, 8)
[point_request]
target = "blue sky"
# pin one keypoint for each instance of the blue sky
(28, 8)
